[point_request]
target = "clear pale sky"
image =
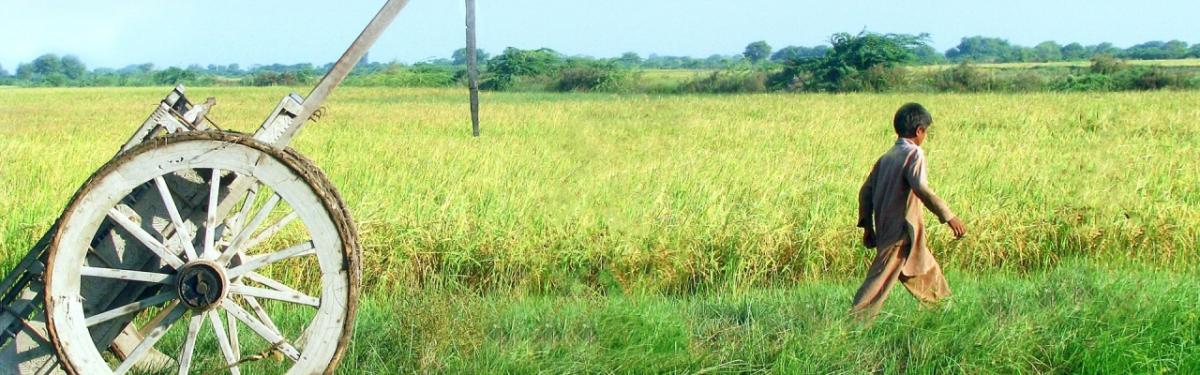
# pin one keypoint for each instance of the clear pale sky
(178, 33)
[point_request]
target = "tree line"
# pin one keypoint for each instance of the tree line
(850, 62)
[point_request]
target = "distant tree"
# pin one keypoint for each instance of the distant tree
(24, 71)
(854, 62)
(47, 64)
(757, 51)
(797, 53)
(670, 62)
(1155, 50)
(137, 69)
(1194, 51)
(1105, 48)
(55, 79)
(1073, 51)
(174, 76)
(72, 67)
(716, 60)
(867, 50)
(1019, 53)
(983, 49)
(459, 56)
(514, 62)
(1047, 51)
(520, 62)
(630, 59)
(927, 55)
(1175, 49)
(3, 73)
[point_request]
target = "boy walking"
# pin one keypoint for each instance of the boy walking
(889, 211)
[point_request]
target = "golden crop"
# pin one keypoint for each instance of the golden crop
(671, 193)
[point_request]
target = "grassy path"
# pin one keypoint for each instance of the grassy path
(1074, 319)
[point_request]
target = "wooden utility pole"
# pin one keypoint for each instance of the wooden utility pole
(472, 68)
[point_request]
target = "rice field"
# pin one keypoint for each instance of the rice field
(643, 211)
(672, 193)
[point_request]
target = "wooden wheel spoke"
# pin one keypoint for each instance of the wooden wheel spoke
(181, 231)
(231, 326)
(231, 358)
(271, 283)
(236, 245)
(153, 332)
(189, 344)
(305, 253)
(270, 231)
(277, 341)
(278, 295)
(257, 262)
(261, 313)
(127, 275)
(210, 221)
(240, 220)
(145, 238)
(130, 308)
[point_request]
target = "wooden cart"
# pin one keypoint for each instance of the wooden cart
(235, 238)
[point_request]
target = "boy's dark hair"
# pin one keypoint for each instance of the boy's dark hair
(910, 117)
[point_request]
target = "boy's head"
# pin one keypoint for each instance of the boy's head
(912, 121)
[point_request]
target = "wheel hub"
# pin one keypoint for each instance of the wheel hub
(201, 284)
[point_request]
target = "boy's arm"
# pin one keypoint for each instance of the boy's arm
(866, 208)
(914, 173)
(865, 194)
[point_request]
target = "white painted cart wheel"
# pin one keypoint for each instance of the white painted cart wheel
(243, 287)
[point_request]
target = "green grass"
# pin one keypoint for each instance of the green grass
(1075, 319)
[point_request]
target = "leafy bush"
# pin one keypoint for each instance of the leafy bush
(1106, 64)
(1155, 79)
(877, 78)
(961, 78)
(503, 70)
(727, 81)
(173, 76)
(417, 76)
(1025, 81)
(584, 75)
(271, 78)
(1085, 82)
(867, 61)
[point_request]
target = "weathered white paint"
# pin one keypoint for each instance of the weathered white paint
(292, 190)
(132, 307)
(127, 275)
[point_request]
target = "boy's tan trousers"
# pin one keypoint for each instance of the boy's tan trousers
(929, 287)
